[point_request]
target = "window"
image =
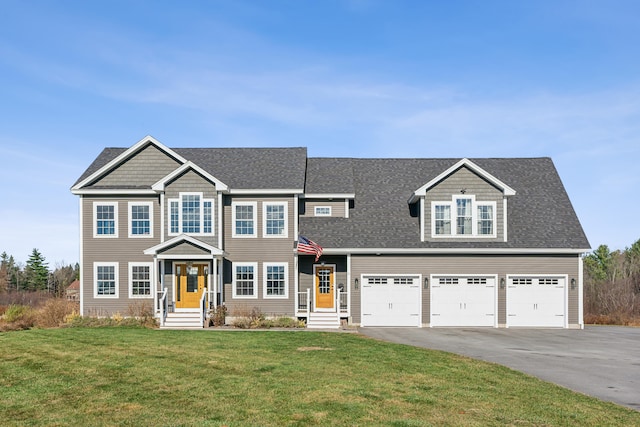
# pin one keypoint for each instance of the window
(472, 218)
(275, 280)
(322, 211)
(244, 219)
(191, 213)
(105, 276)
(140, 280)
(244, 280)
(140, 219)
(275, 219)
(105, 217)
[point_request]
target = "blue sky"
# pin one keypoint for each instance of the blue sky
(343, 78)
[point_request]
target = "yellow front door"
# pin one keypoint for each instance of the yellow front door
(190, 281)
(324, 287)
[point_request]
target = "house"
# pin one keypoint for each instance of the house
(73, 291)
(406, 242)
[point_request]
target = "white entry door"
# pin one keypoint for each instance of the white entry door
(536, 301)
(391, 301)
(463, 301)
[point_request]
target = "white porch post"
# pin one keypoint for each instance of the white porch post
(154, 291)
(215, 283)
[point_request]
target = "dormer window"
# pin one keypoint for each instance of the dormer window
(463, 216)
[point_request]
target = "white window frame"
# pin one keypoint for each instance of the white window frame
(203, 200)
(285, 230)
(116, 269)
(255, 280)
(317, 208)
(130, 279)
(95, 220)
(234, 206)
(130, 209)
(453, 209)
(265, 277)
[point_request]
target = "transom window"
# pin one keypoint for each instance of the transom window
(244, 280)
(105, 279)
(463, 216)
(191, 213)
(140, 280)
(244, 219)
(140, 219)
(275, 219)
(275, 280)
(105, 216)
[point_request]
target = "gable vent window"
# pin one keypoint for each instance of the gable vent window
(191, 214)
(463, 217)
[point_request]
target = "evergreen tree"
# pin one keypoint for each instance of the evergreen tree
(37, 272)
(4, 272)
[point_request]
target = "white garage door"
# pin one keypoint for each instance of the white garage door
(391, 301)
(463, 301)
(536, 301)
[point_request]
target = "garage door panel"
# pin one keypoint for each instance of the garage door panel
(536, 301)
(391, 301)
(463, 301)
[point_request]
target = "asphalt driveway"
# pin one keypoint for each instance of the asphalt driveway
(600, 361)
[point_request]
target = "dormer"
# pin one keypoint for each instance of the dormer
(463, 203)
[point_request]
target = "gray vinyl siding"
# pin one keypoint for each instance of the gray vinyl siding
(192, 182)
(473, 185)
(500, 265)
(259, 250)
(337, 207)
(121, 250)
(145, 168)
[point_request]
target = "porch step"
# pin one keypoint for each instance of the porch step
(320, 320)
(182, 320)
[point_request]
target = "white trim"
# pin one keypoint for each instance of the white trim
(346, 208)
(203, 200)
(333, 298)
(125, 155)
(255, 280)
(115, 217)
(285, 204)
(286, 279)
(315, 211)
(349, 291)
(508, 191)
(274, 191)
(329, 196)
(81, 216)
(186, 238)
(504, 218)
(438, 251)
(162, 183)
(116, 267)
(110, 192)
(454, 218)
(162, 218)
(296, 213)
(151, 279)
(496, 287)
(233, 219)
(422, 215)
(580, 292)
(219, 214)
(130, 220)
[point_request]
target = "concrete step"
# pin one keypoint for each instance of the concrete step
(182, 320)
(320, 320)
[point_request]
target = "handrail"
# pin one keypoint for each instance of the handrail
(163, 308)
(338, 300)
(203, 306)
(308, 302)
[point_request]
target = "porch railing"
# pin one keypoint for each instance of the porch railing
(304, 302)
(343, 302)
(203, 306)
(162, 304)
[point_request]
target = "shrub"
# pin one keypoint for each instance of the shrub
(218, 316)
(54, 312)
(15, 312)
(17, 318)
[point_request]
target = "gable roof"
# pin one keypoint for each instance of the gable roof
(540, 214)
(329, 177)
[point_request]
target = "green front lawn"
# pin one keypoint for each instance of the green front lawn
(127, 376)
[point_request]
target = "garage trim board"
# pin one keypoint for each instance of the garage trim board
(391, 300)
(469, 300)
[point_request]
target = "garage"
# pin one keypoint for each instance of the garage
(391, 300)
(534, 301)
(463, 301)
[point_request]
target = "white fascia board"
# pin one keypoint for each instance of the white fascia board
(119, 159)
(160, 185)
(508, 191)
(269, 191)
(183, 238)
(111, 192)
(438, 251)
(329, 196)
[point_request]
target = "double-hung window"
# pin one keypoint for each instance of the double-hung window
(140, 219)
(463, 216)
(245, 276)
(105, 219)
(275, 219)
(244, 219)
(105, 279)
(191, 213)
(140, 279)
(275, 280)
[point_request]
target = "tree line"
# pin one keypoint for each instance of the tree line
(35, 274)
(612, 284)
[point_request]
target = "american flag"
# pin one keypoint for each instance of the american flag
(306, 246)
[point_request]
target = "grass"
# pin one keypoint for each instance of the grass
(135, 376)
